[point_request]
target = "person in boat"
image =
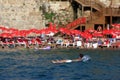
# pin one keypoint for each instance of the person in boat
(69, 60)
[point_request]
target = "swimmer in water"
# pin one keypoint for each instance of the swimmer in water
(68, 60)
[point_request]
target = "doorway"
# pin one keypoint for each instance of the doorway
(98, 27)
(83, 28)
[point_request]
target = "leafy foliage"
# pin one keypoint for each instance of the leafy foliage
(49, 16)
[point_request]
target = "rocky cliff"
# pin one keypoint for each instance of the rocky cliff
(26, 14)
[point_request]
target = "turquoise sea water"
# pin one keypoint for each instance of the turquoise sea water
(36, 65)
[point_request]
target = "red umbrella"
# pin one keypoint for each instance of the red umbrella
(97, 34)
(21, 33)
(86, 35)
(67, 32)
(10, 30)
(90, 30)
(42, 31)
(75, 32)
(62, 29)
(3, 28)
(33, 30)
(116, 25)
(6, 35)
(54, 30)
(107, 31)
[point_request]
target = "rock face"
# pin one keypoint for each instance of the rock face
(62, 12)
(22, 14)
(115, 3)
(27, 14)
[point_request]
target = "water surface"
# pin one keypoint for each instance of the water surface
(36, 65)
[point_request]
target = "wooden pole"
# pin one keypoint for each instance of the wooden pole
(111, 12)
(91, 9)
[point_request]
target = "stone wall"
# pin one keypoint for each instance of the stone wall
(115, 3)
(22, 14)
(26, 14)
(63, 12)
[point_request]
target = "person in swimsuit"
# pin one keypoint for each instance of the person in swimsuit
(68, 60)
